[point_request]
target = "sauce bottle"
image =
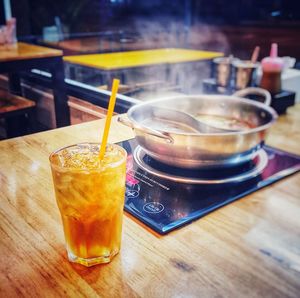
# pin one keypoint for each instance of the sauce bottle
(272, 68)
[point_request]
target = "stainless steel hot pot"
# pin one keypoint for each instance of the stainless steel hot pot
(197, 150)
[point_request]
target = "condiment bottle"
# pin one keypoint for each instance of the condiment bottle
(272, 67)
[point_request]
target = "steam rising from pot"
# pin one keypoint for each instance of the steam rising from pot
(165, 80)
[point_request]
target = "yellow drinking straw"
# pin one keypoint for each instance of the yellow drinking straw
(110, 111)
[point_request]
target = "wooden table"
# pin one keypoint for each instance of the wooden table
(78, 45)
(250, 248)
(103, 42)
(171, 65)
(121, 60)
(26, 57)
(89, 45)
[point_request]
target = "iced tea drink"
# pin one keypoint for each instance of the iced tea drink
(90, 196)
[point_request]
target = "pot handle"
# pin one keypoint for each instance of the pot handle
(256, 91)
(162, 135)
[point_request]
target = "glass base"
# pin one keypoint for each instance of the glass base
(92, 261)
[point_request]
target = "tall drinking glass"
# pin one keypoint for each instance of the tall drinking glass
(90, 196)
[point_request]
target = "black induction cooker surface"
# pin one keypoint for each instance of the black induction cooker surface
(165, 204)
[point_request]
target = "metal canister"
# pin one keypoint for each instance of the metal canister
(222, 70)
(244, 73)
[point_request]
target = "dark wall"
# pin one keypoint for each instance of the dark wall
(20, 10)
(2, 20)
(245, 11)
(98, 15)
(241, 23)
(101, 15)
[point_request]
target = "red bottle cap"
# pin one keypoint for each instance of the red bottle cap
(273, 62)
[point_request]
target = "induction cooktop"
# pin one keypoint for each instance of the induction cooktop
(166, 198)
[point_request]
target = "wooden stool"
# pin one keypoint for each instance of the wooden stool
(18, 114)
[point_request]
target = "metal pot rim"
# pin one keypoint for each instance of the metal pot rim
(257, 104)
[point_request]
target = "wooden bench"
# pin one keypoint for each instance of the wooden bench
(16, 114)
(83, 111)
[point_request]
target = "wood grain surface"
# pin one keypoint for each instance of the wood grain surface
(250, 248)
(23, 51)
(10, 103)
